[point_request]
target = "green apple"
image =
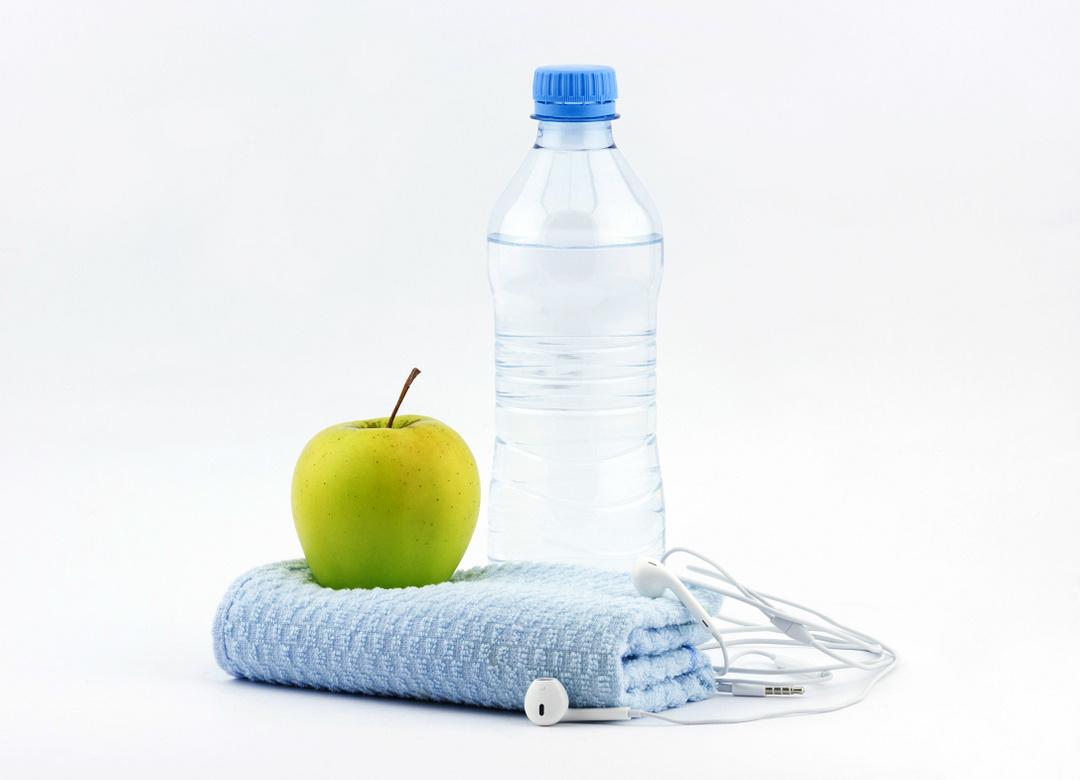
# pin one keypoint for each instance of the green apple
(385, 503)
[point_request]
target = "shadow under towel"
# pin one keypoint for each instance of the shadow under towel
(479, 639)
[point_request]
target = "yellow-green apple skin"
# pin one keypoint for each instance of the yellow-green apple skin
(379, 507)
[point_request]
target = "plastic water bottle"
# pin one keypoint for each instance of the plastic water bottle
(575, 256)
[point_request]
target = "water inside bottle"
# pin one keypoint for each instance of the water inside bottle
(576, 474)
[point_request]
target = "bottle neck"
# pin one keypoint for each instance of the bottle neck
(574, 136)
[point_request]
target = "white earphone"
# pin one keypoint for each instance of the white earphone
(547, 702)
(651, 578)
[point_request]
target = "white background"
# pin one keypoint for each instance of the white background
(225, 226)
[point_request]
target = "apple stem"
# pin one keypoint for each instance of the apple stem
(412, 375)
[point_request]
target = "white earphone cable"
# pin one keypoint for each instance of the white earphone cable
(547, 702)
(767, 716)
(822, 634)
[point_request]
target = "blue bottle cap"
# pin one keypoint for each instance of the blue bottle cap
(575, 93)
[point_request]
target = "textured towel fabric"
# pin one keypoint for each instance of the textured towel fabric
(479, 639)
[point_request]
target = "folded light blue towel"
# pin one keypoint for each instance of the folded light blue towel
(480, 638)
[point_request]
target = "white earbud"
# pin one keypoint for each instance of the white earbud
(547, 703)
(652, 578)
